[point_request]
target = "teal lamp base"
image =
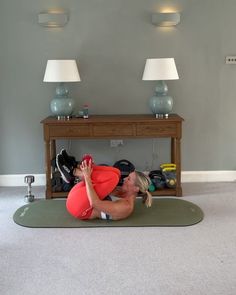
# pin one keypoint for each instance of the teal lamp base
(161, 104)
(62, 105)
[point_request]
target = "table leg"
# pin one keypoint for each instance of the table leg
(173, 150)
(52, 149)
(176, 158)
(48, 169)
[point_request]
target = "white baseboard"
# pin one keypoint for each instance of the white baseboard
(18, 180)
(208, 176)
(186, 176)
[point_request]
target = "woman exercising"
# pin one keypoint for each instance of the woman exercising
(88, 199)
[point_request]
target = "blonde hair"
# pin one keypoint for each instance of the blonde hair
(143, 182)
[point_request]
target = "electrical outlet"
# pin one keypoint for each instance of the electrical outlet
(230, 60)
(116, 142)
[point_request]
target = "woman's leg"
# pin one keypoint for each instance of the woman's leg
(104, 179)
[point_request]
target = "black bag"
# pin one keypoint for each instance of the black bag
(125, 167)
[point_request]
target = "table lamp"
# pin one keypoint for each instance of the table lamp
(62, 71)
(160, 69)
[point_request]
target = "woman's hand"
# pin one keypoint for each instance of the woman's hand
(86, 169)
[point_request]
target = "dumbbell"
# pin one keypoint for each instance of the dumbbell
(29, 197)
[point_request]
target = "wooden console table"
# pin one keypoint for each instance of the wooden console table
(113, 127)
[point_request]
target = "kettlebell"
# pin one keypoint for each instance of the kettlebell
(151, 187)
(157, 179)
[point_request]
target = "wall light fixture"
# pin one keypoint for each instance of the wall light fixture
(165, 19)
(53, 19)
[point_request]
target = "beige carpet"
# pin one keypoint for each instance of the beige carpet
(194, 260)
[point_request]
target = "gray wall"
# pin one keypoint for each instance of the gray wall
(111, 39)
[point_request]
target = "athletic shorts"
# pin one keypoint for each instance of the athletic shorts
(105, 215)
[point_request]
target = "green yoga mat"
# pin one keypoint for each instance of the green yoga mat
(164, 212)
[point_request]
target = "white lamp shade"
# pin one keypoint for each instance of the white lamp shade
(61, 71)
(160, 69)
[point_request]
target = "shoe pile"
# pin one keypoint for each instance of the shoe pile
(66, 165)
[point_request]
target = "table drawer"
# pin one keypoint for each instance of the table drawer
(110, 130)
(161, 129)
(69, 131)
